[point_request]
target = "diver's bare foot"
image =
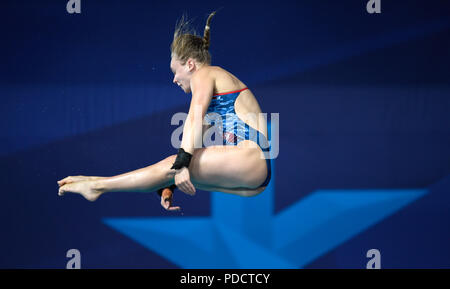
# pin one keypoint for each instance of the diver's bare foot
(72, 179)
(84, 188)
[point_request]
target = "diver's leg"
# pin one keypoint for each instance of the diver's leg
(243, 192)
(150, 178)
(231, 168)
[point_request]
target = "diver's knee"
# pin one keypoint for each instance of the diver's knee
(170, 159)
(167, 164)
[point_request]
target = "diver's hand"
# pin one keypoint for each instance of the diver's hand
(166, 200)
(183, 181)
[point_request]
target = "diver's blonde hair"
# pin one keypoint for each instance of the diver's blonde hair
(186, 44)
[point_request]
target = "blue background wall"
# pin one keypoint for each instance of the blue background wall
(364, 104)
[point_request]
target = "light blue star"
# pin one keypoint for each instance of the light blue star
(244, 232)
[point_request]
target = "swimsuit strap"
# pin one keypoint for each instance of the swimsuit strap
(224, 93)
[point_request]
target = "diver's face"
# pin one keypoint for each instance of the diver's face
(181, 74)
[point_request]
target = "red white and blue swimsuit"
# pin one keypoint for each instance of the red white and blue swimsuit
(233, 129)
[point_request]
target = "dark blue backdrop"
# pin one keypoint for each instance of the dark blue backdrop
(364, 105)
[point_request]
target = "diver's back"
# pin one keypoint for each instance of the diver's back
(246, 106)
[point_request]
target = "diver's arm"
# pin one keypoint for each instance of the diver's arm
(202, 87)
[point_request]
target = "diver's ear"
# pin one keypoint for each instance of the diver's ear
(190, 64)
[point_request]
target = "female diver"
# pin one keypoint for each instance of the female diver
(236, 167)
